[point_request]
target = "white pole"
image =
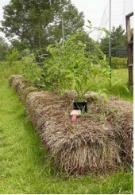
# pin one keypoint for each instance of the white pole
(62, 28)
(62, 21)
(110, 49)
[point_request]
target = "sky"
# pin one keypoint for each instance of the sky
(93, 9)
(97, 11)
(2, 3)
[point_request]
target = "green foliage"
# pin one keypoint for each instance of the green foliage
(39, 23)
(12, 56)
(3, 49)
(71, 66)
(119, 63)
(31, 70)
(119, 85)
(118, 40)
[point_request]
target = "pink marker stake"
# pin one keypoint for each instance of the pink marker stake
(74, 118)
(74, 114)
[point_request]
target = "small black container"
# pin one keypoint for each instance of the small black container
(80, 106)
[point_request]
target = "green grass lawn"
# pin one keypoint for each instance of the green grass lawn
(24, 163)
(119, 85)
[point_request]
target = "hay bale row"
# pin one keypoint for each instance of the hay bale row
(121, 118)
(98, 141)
(22, 86)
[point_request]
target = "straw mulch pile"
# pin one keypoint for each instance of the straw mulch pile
(99, 141)
(22, 86)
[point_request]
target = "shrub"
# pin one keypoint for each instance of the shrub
(30, 68)
(12, 56)
(72, 67)
(119, 63)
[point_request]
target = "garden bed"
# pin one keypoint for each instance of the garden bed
(100, 140)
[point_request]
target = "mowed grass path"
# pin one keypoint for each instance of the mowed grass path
(24, 164)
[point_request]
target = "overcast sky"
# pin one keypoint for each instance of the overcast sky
(2, 3)
(93, 9)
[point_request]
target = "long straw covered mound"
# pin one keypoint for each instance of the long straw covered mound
(98, 141)
(22, 86)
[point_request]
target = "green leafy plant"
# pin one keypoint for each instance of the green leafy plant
(119, 63)
(12, 56)
(72, 67)
(31, 70)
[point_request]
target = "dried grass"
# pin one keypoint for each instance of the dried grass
(22, 86)
(98, 141)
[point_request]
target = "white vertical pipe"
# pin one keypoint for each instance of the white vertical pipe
(110, 26)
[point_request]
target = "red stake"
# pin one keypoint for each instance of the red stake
(74, 117)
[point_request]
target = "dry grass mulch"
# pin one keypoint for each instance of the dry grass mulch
(100, 140)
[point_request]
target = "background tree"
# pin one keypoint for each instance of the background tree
(36, 24)
(3, 49)
(119, 45)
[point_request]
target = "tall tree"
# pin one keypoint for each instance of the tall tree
(118, 40)
(37, 23)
